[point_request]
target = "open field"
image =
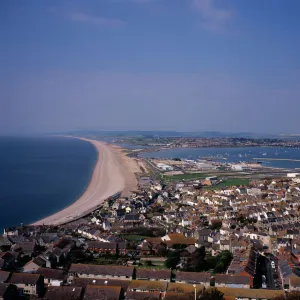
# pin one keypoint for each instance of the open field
(188, 176)
(229, 183)
(134, 237)
(156, 267)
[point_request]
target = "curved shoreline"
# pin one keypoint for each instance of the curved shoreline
(113, 173)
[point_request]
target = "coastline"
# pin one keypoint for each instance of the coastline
(113, 173)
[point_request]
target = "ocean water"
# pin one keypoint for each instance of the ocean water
(235, 155)
(40, 176)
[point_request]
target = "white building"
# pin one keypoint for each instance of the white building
(296, 179)
(292, 175)
(238, 167)
(164, 167)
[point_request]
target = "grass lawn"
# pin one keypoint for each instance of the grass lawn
(229, 183)
(188, 176)
(160, 267)
(134, 237)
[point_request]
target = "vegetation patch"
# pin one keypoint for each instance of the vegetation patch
(134, 237)
(187, 176)
(229, 183)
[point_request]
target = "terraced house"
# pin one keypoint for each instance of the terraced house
(103, 271)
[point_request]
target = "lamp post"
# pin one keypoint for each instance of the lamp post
(194, 285)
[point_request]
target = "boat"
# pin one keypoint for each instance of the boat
(264, 154)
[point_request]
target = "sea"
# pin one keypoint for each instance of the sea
(235, 155)
(40, 176)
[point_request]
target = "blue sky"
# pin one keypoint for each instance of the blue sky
(190, 65)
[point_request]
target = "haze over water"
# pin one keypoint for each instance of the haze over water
(39, 176)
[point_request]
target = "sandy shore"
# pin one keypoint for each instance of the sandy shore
(113, 173)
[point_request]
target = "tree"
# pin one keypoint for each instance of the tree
(173, 259)
(224, 259)
(148, 263)
(201, 252)
(161, 250)
(210, 294)
(179, 246)
(216, 225)
(290, 296)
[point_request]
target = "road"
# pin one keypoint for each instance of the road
(269, 274)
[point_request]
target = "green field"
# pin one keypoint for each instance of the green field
(134, 237)
(188, 176)
(229, 183)
(160, 267)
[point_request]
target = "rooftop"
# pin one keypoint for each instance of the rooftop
(93, 292)
(101, 270)
(24, 278)
(63, 292)
(148, 285)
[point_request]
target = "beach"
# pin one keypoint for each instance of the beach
(113, 173)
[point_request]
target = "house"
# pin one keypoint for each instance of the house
(286, 272)
(66, 244)
(254, 192)
(122, 248)
(99, 271)
(244, 263)
(63, 292)
(93, 292)
(94, 234)
(153, 275)
(148, 286)
(47, 239)
(7, 260)
(294, 284)
(52, 277)
(34, 264)
(110, 247)
(102, 247)
(4, 276)
(177, 238)
(180, 296)
(8, 291)
(133, 220)
(251, 294)
(180, 290)
(29, 284)
(142, 295)
(28, 248)
(232, 281)
(204, 235)
(193, 277)
(4, 241)
(55, 256)
(84, 282)
(10, 232)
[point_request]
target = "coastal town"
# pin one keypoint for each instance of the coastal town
(150, 150)
(204, 142)
(187, 230)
